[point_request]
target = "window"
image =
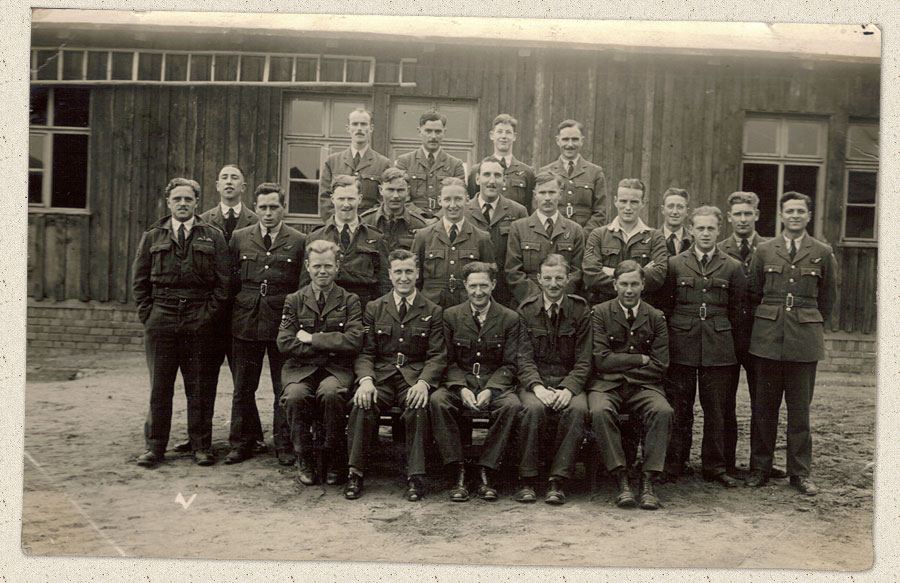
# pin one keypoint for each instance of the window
(781, 154)
(861, 183)
(58, 148)
(314, 128)
(459, 139)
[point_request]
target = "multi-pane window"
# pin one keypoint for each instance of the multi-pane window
(58, 147)
(781, 154)
(459, 137)
(861, 183)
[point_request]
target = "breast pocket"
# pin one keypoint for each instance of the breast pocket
(419, 338)
(773, 278)
(203, 255)
(640, 252)
(610, 256)
(466, 255)
(566, 249)
(248, 265)
(584, 194)
(720, 290)
(334, 322)
(417, 185)
(435, 263)
(566, 339)
(159, 258)
(383, 341)
(532, 253)
(288, 269)
(810, 278)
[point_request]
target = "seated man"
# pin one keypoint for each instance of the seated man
(631, 354)
(402, 359)
(320, 335)
(555, 366)
(483, 341)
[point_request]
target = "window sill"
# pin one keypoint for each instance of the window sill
(57, 211)
(871, 244)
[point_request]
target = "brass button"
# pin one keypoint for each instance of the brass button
(452, 262)
(268, 253)
(791, 280)
(401, 340)
(265, 267)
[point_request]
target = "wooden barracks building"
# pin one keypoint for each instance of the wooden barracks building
(123, 101)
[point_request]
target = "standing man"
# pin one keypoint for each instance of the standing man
(555, 366)
(517, 182)
(631, 354)
(535, 237)
(397, 220)
(402, 360)
(180, 282)
(359, 161)
(267, 258)
(708, 290)
(363, 268)
(429, 165)
(444, 247)
(584, 184)
(484, 342)
(675, 207)
(626, 237)
(493, 213)
(320, 335)
(795, 275)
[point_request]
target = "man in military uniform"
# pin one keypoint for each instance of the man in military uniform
(484, 341)
(320, 335)
(555, 366)
(363, 268)
(795, 275)
(180, 282)
(626, 237)
(493, 213)
(429, 165)
(397, 220)
(359, 160)
(402, 360)
(675, 207)
(444, 247)
(708, 290)
(631, 354)
(517, 182)
(583, 194)
(546, 231)
(266, 259)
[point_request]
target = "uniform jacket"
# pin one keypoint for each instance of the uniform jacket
(337, 335)
(180, 292)
(400, 236)
(425, 182)
(556, 357)
(441, 263)
(705, 309)
(371, 165)
(797, 298)
(262, 278)
(605, 248)
(518, 183)
(583, 197)
(215, 217)
(485, 358)
(528, 245)
(414, 345)
(618, 347)
(686, 241)
(742, 340)
(505, 211)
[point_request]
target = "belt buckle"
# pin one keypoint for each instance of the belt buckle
(703, 312)
(451, 284)
(263, 289)
(570, 210)
(432, 203)
(476, 370)
(401, 359)
(182, 300)
(789, 302)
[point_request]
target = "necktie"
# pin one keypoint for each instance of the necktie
(181, 231)
(345, 236)
(704, 261)
(670, 244)
(403, 308)
(320, 301)
(745, 249)
(230, 223)
(430, 159)
(503, 163)
(571, 168)
(487, 212)
(549, 227)
(453, 233)
(356, 161)
(793, 249)
(630, 316)
(554, 315)
(477, 321)
(267, 239)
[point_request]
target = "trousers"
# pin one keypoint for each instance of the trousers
(318, 395)
(545, 434)
(246, 428)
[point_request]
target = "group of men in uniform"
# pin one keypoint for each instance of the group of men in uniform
(440, 294)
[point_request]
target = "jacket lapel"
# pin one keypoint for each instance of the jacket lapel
(780, 249)
(619, 315)
(804, 249)
(366, 160)
(579, 168)
(641, 316)
(309, 299)
(413, 310)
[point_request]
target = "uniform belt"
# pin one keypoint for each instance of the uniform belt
(791, 301)
(452, 283)
(703, 311)
(176, 293)
(265, 289)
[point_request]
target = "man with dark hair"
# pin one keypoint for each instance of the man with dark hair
(180, 282)
(397, 220)
(675, 206)
(555, 365)
(583, 194)
(631, 354)
(266, 259)
(626, 237)
(493, 213)
(794, 277)
(708, 294)
(320, 335)
(359, 161)
(517, 181)
(402, 360)
(483, 348)
(533, 238)
(444, 247)
(429, 165)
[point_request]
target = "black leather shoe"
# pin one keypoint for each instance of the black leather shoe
(237, 455)
(286, 458)
(183, 447)
(259, 447)
(555, 494)
(306, 473)
(625, 499)
(149, 459)
(648, 498)
(724, 479)
(354, 487)
(459, 493)
(485, 490)
(756, 479)
(525, 493)
(204, 457)
(335, 473)
(415, 490)
(804, 485)
(777, 473)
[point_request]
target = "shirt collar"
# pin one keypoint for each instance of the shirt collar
(340, 226)
(436, 154)
(409, 299)
(237, 209)
(565, 162)
(481, 314)
(625, 310)
(482, 202)
(798, 241)
(679, 234)
(508, 158)
(738, 239)
(548, 304)
(273, 232)
(362, 153)
(639, 227)
(448, 224)
(315, 292)
(543, 218)
(700, 254)
(188, 224)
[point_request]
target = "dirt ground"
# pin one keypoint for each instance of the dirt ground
(84, 495)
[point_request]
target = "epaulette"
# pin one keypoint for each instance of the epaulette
(578, 299)
(370, 211)
(530, 299)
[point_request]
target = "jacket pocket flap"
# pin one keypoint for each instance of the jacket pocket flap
(773, 268)
(809, 315)
(161, 247)
(680, 322)
(248, 256)
(813, 271)
(685, 281)
(435, 253)
(722, 324)
(768, 311)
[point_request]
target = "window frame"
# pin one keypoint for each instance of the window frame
(400, 145)
(859, 165)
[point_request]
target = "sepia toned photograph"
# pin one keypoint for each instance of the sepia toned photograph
(483, 291)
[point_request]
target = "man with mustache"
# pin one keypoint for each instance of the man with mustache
(428, 166)
(546, 231)
(517, 181)
(554, 368)
(583, 193)
(359, 161)
(397, 220)
(493, 213)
